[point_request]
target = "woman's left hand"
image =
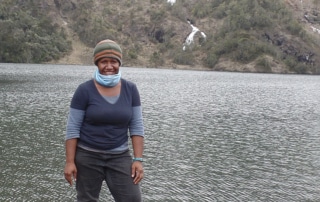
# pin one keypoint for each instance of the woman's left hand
(137, 171)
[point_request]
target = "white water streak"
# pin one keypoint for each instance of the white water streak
(315, 29)
(171, 2)
(189, 40)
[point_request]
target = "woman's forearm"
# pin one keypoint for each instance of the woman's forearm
(71, 146)
(70, 169)
(137, 144)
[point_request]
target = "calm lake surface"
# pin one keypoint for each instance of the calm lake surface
(210, 136)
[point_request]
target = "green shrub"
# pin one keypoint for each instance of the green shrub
(156, 59)
(220, 11)
(248, 50)
(29, 39)
(226, 46)
(200, 11)
(157, 16)
(132, 54)
(263, 65)
(211, 60)
(183, 57)
(295, 66)
(295, 28)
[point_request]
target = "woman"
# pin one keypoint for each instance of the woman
(102, 111)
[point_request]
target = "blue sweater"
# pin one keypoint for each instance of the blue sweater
(101, 125)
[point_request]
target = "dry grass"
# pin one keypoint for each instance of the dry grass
(81, 54)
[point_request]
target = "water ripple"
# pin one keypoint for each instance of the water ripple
(210, 136)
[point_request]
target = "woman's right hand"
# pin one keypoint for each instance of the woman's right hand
(70, 171)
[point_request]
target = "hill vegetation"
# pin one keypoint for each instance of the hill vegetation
(28, 35)
(269, 36)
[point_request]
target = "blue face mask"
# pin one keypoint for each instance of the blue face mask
(107, 80)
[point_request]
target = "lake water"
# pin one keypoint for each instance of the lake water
(210, 136)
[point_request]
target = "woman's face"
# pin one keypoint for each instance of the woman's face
(108, 66)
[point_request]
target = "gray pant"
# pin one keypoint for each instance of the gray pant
(93, 168)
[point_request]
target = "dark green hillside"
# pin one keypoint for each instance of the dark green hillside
(241, 35)
(28, 34)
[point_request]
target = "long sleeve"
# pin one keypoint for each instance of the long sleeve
(136, 124)
(74, 123)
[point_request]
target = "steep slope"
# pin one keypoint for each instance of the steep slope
(153, 34)
(229, 35)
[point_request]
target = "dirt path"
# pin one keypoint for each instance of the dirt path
(80, 54)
